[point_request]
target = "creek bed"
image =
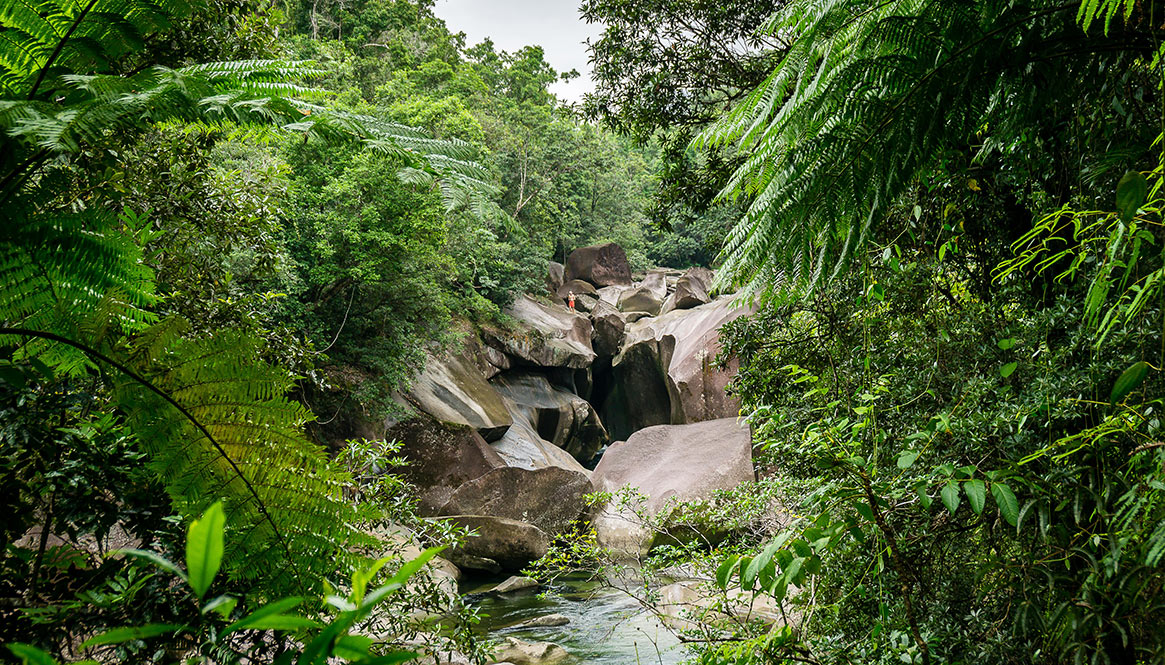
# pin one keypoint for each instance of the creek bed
(607, 627)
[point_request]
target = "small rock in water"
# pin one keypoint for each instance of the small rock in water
(471, 562)
(515, 584)
(518, 652)
(545, 621)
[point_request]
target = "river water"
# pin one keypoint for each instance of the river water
(607, 626)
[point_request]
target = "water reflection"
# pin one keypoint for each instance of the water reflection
(607, 626)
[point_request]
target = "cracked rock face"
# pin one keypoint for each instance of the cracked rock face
(666, 370)
(557, 415)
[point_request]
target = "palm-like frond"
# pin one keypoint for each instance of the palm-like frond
(866, 97)
(245, 444)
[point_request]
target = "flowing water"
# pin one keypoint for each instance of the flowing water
(607, 626)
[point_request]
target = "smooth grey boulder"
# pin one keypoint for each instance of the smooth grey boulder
(608, 329)
(549, 498)
(515, 583)
(690, 292)
(547, 336)
(519, 652)
(578, 287)
(691, 603)
(586, 303)
(441, 458)
(470, 562)
(666, 372)
(641, 299)
(705, 276)
(511, 543)
(611, 294)
(668, 463)
(601, 265)
(523, 448)
(452, 389)
(557, 415)
(655, 281)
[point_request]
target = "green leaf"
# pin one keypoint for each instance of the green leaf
(398, 580)
(1006, 344)
(1008, 504)
(864, 510)
(253, 619)
(1129, 380)
(30, 655)
(1131, 192)
(724, 571)
(950, 496)
(352, 647)
(204, 546)
(976, 494)
(222, 605)
(748, 573)
(154, 558)
(120, 635)
(923, 496)
(906, 458)
(1007, 369)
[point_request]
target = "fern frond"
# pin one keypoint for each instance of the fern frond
(865, 95)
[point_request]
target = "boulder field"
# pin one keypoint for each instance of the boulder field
(503, 429)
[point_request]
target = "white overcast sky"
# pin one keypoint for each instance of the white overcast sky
(552, 24)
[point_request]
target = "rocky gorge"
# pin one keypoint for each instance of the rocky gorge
(509, 431)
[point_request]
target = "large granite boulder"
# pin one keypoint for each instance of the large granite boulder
(655, 281)
(453, 389)
(611, 294)
(558, 416)
(690, 292)
(578, 288)
(665, 464)
(522, 447)
(601, 265)
(641, 299)
(548, 336)
(549, 498)
(511, 543)
(691, 604)
(608, 329)
(441, 458)
(666, 371)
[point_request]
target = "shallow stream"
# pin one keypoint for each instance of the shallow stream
(607, 627)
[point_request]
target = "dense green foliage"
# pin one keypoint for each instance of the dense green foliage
(206, 237)
(953, 377)
(230, 228)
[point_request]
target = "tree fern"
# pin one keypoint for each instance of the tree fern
(75, 293)
(868, 96)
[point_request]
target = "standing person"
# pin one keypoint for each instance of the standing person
(570, 300)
